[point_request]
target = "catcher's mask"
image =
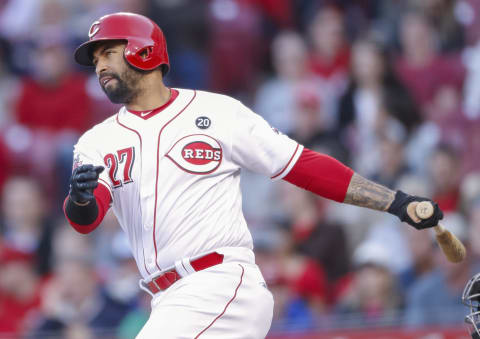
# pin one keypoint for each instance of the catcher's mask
(471, 298)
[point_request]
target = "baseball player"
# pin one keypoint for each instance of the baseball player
(169, 164)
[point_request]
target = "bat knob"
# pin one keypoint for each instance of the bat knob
(424, 210)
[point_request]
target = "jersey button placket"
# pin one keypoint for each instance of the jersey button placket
(151, 262)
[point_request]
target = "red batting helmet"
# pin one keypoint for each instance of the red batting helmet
(146, 47)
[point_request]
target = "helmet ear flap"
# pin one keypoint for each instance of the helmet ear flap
(136, 56)
(142, 56)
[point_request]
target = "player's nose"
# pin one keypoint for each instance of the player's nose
(100, 67)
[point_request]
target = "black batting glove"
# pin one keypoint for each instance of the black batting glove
(399, 208)
(83, 181)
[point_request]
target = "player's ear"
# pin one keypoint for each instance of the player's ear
(164, 70)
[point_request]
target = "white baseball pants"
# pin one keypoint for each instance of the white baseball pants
(226, 301)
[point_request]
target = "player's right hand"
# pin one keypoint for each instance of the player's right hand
(402, 209)
(83, 181)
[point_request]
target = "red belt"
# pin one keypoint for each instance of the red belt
(166, 279)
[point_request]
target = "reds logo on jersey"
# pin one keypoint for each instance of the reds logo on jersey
(197, 154)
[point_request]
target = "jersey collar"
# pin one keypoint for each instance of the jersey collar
(150, 113)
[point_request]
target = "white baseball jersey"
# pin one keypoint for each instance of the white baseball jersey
(174, 175)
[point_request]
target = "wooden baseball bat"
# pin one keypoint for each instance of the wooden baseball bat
(453, 248)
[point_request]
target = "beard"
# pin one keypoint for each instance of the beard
(126, 88)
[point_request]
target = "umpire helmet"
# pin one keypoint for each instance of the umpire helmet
(146, 47)
(471, 298)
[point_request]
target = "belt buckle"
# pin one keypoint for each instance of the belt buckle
(164, 281)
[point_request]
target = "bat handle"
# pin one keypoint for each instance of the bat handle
(453, 248)
(439, 229)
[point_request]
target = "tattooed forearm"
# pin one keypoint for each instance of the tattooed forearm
(365, 193)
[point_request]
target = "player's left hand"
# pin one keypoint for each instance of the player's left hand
(403, 207)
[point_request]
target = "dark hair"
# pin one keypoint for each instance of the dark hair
(447, 149)
(397, 100)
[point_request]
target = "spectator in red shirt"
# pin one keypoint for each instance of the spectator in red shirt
(235, 46)
(19, 291)
(330, 55)
(54, 97)
(54, 108)
(444, 173)
(420, 66)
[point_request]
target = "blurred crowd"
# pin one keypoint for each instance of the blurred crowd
(389, 87)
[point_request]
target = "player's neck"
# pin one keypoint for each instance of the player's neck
(153, 95)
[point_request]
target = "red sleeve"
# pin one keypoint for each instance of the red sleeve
(103, 199)
(320, 174)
